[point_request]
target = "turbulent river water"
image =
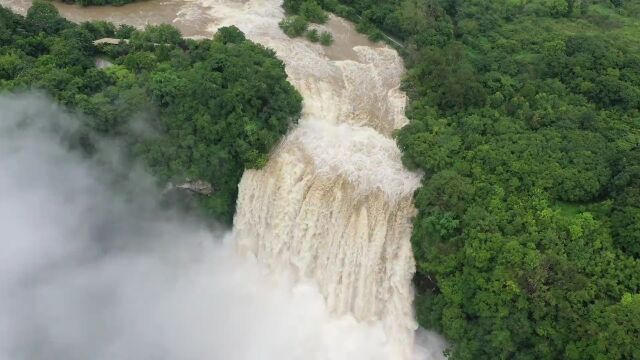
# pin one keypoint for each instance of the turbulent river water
(333, 206)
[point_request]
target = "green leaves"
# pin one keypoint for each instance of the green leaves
(187, 109)
(311, 11)
(294, 26)
(42, 16)
(224, 112)
(230, 35)
(166, 87)
(162, 34)
(301, 13)
(326, 38)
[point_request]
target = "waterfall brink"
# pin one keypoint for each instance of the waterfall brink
(334, 204)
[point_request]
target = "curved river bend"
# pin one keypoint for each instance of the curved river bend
(334, 204)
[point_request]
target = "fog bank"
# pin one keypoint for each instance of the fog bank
(89, 273)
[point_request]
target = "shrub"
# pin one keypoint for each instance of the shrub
(326, 38)
(313, 12)
(294, 26)
(313, 35)
(230, 35)
(291, 6)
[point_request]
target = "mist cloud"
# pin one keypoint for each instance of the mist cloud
(89, 273)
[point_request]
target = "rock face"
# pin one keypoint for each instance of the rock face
(110, 41)
(197, 186)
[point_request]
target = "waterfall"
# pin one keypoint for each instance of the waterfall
(353, 242)
(334, 204)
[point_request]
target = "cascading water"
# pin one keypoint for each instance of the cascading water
(308, 212)
(333, 205)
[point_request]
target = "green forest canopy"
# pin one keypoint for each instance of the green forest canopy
(188, 109)
(525, 122)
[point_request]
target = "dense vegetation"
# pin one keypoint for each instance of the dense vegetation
(202, 110)
(299, 14)
(525, 121)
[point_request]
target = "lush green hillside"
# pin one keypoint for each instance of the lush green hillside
(525, 121)
(201, 110)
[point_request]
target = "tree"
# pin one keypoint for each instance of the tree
(10, 66)
(313, 36)
(311, 11)
(326, 38)
(292, 6)
(294, 26)
(204, 109)
(42, 16)
(158, 34)
(230, 35)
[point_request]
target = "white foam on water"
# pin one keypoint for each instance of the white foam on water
(366, 158)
